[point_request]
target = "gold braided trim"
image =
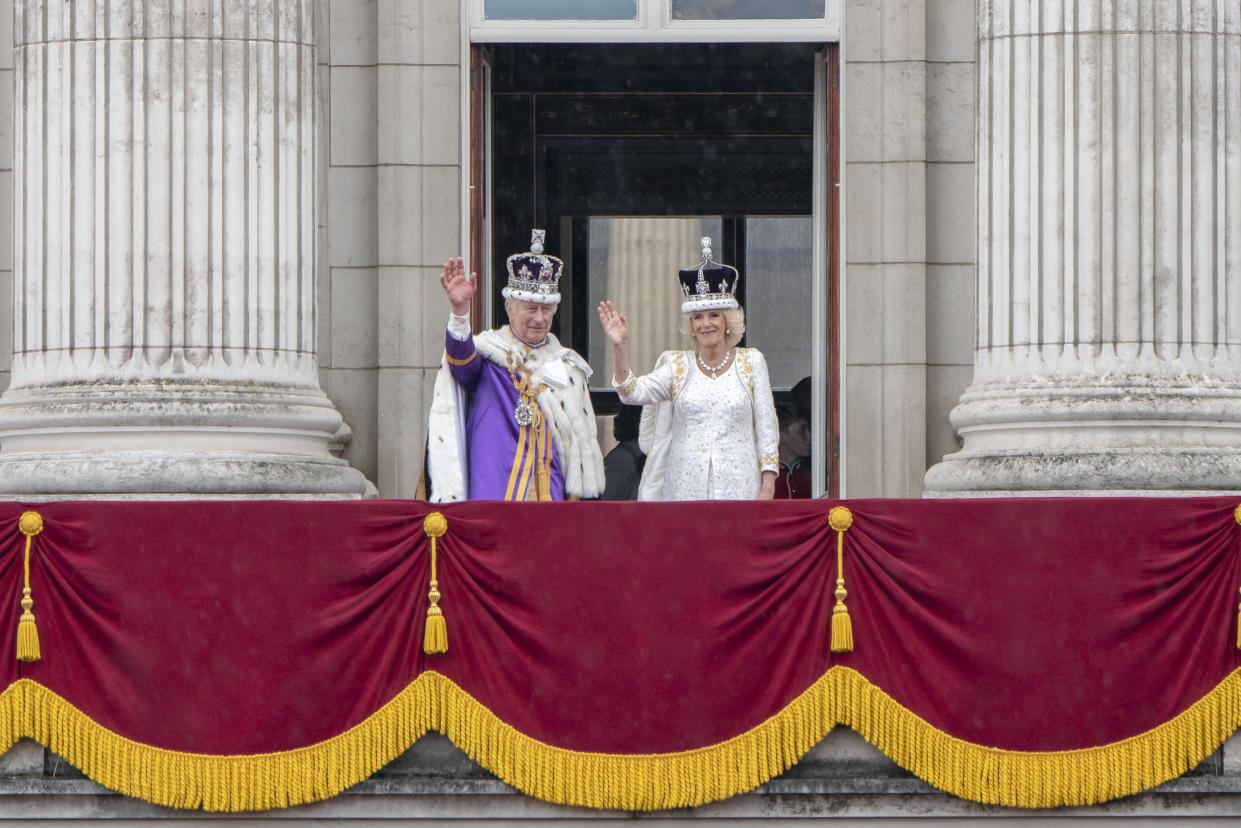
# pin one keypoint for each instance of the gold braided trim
(614, 781)
(455, 361)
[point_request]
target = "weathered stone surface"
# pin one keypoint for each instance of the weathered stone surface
(164, 314)
(1108, 350)
(843, 776)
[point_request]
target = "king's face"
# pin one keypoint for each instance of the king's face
(530, 321)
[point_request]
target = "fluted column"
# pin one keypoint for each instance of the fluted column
(164, 318)
(1109, 250)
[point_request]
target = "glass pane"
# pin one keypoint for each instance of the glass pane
(634, 262)
(560, 9)
(747, 9)
(778, 279)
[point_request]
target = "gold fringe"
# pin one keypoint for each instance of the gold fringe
(622, 781)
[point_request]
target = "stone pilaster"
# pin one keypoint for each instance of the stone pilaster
(164, 313)
(1109, 251)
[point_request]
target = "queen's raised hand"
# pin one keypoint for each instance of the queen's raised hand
(615, 325)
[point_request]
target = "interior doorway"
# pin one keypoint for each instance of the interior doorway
(628, 153)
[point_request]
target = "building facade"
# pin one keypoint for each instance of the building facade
(229, 221)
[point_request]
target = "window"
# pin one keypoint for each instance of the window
(560, 9)
(615, 21)
(748, 9)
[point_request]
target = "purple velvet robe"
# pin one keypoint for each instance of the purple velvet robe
(490, 430)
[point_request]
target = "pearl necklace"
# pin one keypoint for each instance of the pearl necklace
(713, 370)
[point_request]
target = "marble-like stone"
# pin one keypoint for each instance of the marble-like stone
(1108, 351)
(25, 758)
(904, 111)
(355, 115)
(353, 226)
(862, 122)
(353, 32)
(950, 213)
(441, 115)
(862, 447)
(164, 311)
(944, 386)
(355, 305)
(441, 214)
(950, 113)
(400, 216)
(402, 116)
(401, 391)
(441, 32)
(950, 31)
(903, 218)
(863, 30)
(355, 391)
(399, 39)
(895, 296)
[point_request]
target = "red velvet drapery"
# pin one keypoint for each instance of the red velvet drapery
(250, 628)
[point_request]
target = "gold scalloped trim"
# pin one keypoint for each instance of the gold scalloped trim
(629, 781)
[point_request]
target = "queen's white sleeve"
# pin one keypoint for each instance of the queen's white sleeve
(652, 388)
(766, 427)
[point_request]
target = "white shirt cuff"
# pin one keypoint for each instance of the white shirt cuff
(458, 327)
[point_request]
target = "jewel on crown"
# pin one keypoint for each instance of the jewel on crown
(534, 276)
(710, 284)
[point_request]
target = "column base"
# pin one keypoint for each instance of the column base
(1105, 473)
(159, 474)
(1113, 435)
(172, 438)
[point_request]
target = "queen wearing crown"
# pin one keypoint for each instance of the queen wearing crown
(710, 425)
(511, 417)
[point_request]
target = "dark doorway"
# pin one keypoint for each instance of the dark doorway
(626, 154)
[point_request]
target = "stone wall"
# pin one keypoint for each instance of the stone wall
(391, 76)
(842, 777)
(909, 147)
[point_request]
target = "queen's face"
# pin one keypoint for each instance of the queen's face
(708, 328)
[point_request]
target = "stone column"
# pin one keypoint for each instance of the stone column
(164, 315)
(1109, 251)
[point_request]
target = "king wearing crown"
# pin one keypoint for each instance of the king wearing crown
(511, 417)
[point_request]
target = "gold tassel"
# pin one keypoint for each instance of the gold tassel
(435, 634)
(30, 524)
(1236, 515)
(840, 519)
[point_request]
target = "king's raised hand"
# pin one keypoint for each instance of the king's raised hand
(458, 287)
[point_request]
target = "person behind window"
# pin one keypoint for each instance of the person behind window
(715, 432)
(794, 480)
(530, 432)
(623, 465)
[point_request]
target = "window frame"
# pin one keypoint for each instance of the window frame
(828, 408)
(654, 24)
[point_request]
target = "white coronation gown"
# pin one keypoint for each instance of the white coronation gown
(717, 435)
